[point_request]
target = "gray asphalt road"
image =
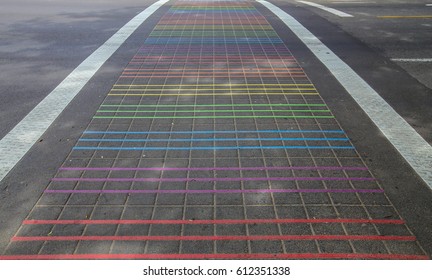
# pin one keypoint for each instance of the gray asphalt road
(400, 31)
(42, 41)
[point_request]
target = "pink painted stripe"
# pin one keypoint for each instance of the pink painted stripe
(215, 222)
(218, 191)
(330, 168)
(213, 238)
(216, 256)
(228, 179)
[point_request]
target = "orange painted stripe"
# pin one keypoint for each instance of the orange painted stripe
(201, 222)
(213, 238)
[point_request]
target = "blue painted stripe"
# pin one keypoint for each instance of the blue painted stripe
(211, 139)
(213, 132)
(212, 148)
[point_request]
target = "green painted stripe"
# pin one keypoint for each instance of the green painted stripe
(212, 117)
(211, 111)
(218, 105)
(210, 89)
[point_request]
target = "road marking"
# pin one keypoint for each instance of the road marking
(214, 111)
(215, 94)
(253, 191)
(352, 2)
(209, 237)
(213, 132)
(412, 59)
(211, 179)
(210, 148)
(215, 117)
(404, 17)
(327, 9)
(210, 105)
(254, 168)
(214, 222)
(208, 139)
(416, 151)
(22, 137)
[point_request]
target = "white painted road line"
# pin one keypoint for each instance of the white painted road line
(327, 9)
(416, 151)
(351, 2)
(22, 137)
(412, 59)
(338, 2)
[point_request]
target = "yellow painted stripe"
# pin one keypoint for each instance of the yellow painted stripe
(216, 85)
(210, 89)
(391, 17)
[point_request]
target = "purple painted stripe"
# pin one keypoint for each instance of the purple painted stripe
(218, 191)
(330, 168)
(229, 179)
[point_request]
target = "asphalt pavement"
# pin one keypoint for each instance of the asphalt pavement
(214, 132)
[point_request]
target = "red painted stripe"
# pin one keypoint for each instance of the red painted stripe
(213, 238)
(217, 256)
(200, 222)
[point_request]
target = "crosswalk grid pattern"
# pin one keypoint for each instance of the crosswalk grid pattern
(214, 143)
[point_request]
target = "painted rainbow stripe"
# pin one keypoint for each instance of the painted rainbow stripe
(209, 139)
(260, 168)
(212, 179)
(214, 132)
(225, 191)
(214, 222)
(213, 238)
(213, 148)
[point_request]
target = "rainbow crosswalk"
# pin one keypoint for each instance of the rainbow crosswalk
(214, 144)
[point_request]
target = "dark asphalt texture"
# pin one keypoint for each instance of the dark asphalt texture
(43, 43)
